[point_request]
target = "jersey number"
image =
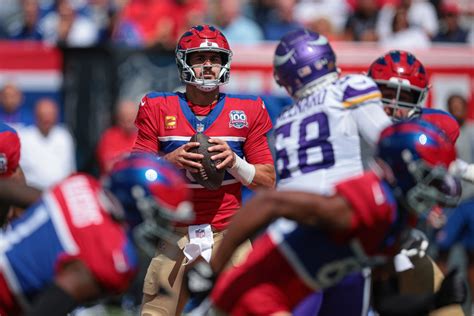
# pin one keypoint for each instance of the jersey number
(308, 139)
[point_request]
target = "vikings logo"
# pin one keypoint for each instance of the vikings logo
(238, 119)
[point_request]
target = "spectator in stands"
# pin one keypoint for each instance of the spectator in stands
(280, 20)
(12, 107)
(360, 25)
(323, 16)
(118, 139)
(235, 26)
(404, 35)
(157, 23)
(29, 28)
(457, 106)
(420, 13)
(65, 26)
(450, 30)
(47, 151)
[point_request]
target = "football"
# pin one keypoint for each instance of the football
(209, 176)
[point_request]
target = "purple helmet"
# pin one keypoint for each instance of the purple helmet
(303, 59)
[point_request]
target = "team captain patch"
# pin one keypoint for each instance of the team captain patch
(238, 119)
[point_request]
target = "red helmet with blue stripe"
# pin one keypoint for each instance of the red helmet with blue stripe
(403, 74)
(153, 196)
(419, 155)
(203, 38)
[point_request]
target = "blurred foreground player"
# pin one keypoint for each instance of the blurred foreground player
(327, 238)
(73, 246)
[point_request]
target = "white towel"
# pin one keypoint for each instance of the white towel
(200, 243)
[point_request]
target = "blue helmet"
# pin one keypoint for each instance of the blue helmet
(303, 60)
(418, 155)
(152, 195)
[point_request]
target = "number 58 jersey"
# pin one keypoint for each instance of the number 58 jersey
(317, 138)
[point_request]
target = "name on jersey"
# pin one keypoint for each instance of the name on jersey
(238, 119)
(304, 105)
(81, 202)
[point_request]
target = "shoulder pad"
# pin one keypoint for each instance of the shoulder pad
(358, 89)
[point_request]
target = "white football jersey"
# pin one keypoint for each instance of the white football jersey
(317, 138)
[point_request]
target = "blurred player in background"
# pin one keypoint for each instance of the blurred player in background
(403, 82)
(73, 246)
(358, 226)
(237, 126)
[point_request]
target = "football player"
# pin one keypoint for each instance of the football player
(403, 81)
(238, 127)
(317, 140)
(73, 245)
(358, 226)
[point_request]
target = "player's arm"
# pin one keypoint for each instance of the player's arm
(74, 284)
(371, 119)
(14, 192)
(329, 213)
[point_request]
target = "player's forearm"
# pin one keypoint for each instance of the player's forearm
(14, 193)
(264, 177)
(329, 213)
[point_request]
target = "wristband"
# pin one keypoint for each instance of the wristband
(242, 171)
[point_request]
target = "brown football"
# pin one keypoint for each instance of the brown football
(209, 176)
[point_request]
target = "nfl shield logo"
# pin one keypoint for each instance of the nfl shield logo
(3, 163)
(199, 127)
(200, 233)
(238, 119)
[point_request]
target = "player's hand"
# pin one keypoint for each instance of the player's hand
(200, 280)
(182, 158)
(225, 153)
(452, 291)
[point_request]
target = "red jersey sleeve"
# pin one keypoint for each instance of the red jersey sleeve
(256, 147)
(374, 209)
(147, 124)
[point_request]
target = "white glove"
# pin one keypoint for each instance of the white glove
(462, 169)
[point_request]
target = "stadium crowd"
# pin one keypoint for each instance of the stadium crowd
(71, 274)
(145, 23)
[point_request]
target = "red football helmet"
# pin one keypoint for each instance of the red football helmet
(203, 38)
(402, 80)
